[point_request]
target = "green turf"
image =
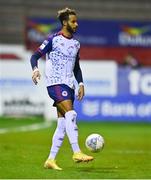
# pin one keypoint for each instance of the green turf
(11, 122)
(127, 152)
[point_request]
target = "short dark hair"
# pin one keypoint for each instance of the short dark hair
(63, 14)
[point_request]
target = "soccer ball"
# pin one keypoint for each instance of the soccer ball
(94, 142)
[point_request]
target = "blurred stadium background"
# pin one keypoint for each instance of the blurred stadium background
(115, 38)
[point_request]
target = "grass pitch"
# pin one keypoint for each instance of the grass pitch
(126, 154)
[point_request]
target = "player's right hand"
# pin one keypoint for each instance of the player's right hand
(36, 76)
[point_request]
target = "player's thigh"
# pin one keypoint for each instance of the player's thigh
(59, 114)
(64, 106)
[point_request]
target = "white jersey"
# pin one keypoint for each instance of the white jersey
(61, 54)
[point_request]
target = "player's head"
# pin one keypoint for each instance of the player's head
(68, 19)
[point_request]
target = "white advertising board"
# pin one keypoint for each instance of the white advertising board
(100, 77)
(18, 94)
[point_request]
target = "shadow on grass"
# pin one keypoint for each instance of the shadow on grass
(99, 170)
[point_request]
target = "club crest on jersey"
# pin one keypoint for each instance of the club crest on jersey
(64, 93)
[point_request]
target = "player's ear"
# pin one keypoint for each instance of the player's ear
(64, 22)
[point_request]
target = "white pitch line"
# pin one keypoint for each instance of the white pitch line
(32, 127)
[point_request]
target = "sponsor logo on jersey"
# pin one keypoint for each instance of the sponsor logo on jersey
(43, 45)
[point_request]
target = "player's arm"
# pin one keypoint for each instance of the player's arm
(78, 76)
(42, 50)
(34, 64)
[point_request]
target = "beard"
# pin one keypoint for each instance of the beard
(70, 29)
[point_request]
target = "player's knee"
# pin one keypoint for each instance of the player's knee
(71, 115)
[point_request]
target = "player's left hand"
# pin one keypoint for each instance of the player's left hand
(80, 92)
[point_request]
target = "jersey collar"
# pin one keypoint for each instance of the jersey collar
(61, 33)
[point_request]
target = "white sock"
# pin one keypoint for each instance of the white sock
(72, 129)
(58, 138)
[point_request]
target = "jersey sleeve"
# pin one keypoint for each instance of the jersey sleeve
(77, 70)
(45, 47)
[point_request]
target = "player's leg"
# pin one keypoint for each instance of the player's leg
(66, 108)
(64, 97)
(57, 140)
(58, 136)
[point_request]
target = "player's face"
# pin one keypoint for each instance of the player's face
(72, 24)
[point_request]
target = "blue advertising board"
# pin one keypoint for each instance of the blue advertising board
(95, 32)
(115, 33)
(132, 101)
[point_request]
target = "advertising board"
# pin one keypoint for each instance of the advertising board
(132, 101)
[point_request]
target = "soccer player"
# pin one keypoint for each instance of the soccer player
(62, 65)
